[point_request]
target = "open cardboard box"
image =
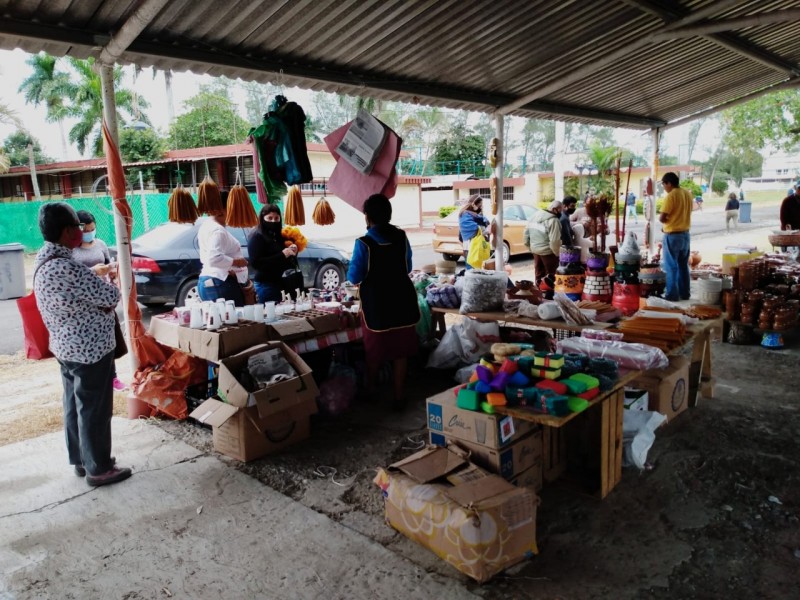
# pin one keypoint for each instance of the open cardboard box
(478, 522)
(667, 389)
(210, 345)
(289, 328)
(275, 397)
(244, 435)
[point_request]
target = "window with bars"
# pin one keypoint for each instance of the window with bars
(508, 192)
(315, 188)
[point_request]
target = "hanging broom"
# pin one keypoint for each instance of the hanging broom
(240, 208)
(295, 213)
(181, 208)
(323, 213)
(209, 201)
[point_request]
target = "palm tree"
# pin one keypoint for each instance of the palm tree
(46, 85)
(86, 104)
(8, 117)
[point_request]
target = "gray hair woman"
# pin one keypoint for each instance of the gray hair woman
(78, 310)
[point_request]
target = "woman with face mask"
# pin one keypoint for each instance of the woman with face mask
(268, 254)
(77, 307)
(93, 252)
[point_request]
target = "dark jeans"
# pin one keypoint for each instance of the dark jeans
(676, 265)
(267, 292)
(88, 404)
(544, 264)
(228, 289)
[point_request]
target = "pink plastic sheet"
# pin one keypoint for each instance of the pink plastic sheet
(628, 356)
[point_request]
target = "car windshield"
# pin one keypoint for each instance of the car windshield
(163, 233)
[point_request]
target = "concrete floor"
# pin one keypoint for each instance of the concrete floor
(184, 526)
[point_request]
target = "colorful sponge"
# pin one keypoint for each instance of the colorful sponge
(487, 408)
(555, 386)
(544, 359)
(591, 382)
(509, 366)
(500, 381)
(496, 399)
(575, 386)
(577, 404)
(484, 373)
(553, 404)
(519, 379)
(590, 394)
(545, 372)
(521, 396)
(468, 400)
(482, 387)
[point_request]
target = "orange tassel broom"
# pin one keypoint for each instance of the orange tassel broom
(240, 208)
(323, 213)
(181, 208)
(295, 213)
(209, 201)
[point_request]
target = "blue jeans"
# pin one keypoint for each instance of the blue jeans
(228, 289)
(88, 405)
(267, 292)
(676, 265)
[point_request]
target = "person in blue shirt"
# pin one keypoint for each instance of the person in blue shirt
(630, 207)
(381, 263)
(470, 222)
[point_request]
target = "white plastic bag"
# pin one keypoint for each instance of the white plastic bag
(448, 353)
(638, 434)
(484, 291)
(464, 373)
(477, 338)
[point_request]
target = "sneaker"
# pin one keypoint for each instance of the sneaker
(80, 471)
(119, 385)
(113, 475)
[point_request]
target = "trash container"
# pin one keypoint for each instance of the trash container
(744, 212)
(12, 271)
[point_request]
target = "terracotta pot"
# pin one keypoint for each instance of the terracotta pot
(626, 297)
(695, 258)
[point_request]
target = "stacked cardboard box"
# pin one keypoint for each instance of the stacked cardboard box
(500, 444)
(667, 389)
(248, 425)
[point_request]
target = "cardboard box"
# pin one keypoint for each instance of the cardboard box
(289, 329)
(493, 431)
(323, 322)
(733, 259)
(275, 397)
(478, 522)
(243, 434)
(668, 388)
(636, 399)
(210, 345)
(506, 462)
(530, 478)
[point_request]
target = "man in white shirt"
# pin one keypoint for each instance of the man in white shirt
(224, 266)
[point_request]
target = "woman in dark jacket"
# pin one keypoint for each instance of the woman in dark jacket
(269, 255)
(389, 311)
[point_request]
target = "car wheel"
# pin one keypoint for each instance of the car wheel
(329, 277)
(453, 257)
(506, 253)
(188, 291)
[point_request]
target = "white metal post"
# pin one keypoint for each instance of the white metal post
(143, 201)
(122, 238)
(498, 171)
(559, 166)
(651, 247)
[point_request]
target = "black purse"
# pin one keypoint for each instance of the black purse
(292, 279)
(120, 347)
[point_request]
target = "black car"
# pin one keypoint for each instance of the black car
(166, 263)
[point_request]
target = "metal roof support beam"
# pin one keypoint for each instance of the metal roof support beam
(624, 52)
(727, 40)
(786, 85)
(580, 112)
(717, 26)
(130, 30)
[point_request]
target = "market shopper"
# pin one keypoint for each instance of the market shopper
(570, 205)
(269, 255)
(381, 263)
(732, 212)
(224, 265)
(77, 307)
(471, 222)
(93, 252)
(676, 216)
(790, 210)
(543, 237)
(630, 207)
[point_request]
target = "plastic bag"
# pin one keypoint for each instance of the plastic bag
(477, 338)
(638, 435)
(484, 291)
(627, 356)
(425, 323)
(479, 251)
(464, 373)
(337, 392)
(443, 296)
(163, 386)
(448, 353)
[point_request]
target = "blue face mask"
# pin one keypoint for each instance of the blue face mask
(88, 236)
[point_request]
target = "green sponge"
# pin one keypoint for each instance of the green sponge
(575, 386)
(591, 382)
(468, 400)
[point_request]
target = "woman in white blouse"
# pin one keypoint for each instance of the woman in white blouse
(224, 266)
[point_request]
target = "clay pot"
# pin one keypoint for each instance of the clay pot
(569, 254)
(626, 297)
(597, 261)
(694, 259)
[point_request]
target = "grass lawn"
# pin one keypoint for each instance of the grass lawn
(756, 197)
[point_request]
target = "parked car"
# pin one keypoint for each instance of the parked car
(166, 263)
(515, 216)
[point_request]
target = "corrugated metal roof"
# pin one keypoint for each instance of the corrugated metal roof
(451, 53)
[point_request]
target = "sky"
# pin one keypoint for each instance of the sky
(13, 70)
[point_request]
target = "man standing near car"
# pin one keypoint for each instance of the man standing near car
(676, 216)
(570, 205)
(543, 237)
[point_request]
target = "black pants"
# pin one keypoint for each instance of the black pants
(88, 405)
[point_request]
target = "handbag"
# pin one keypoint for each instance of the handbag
(249, 295)
(479, 251)
(37, 338)
(120, 347)
(292, 279)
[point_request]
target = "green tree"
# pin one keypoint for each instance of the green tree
(739, 164)
(86, 104)
(210, 120)
(770, 120)
(15, 147)
(139, 146)
(538, 143)
(462, 150)
(422, 129)
(694, 188)
(49, 86)
(719, 187)
(8, 117)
